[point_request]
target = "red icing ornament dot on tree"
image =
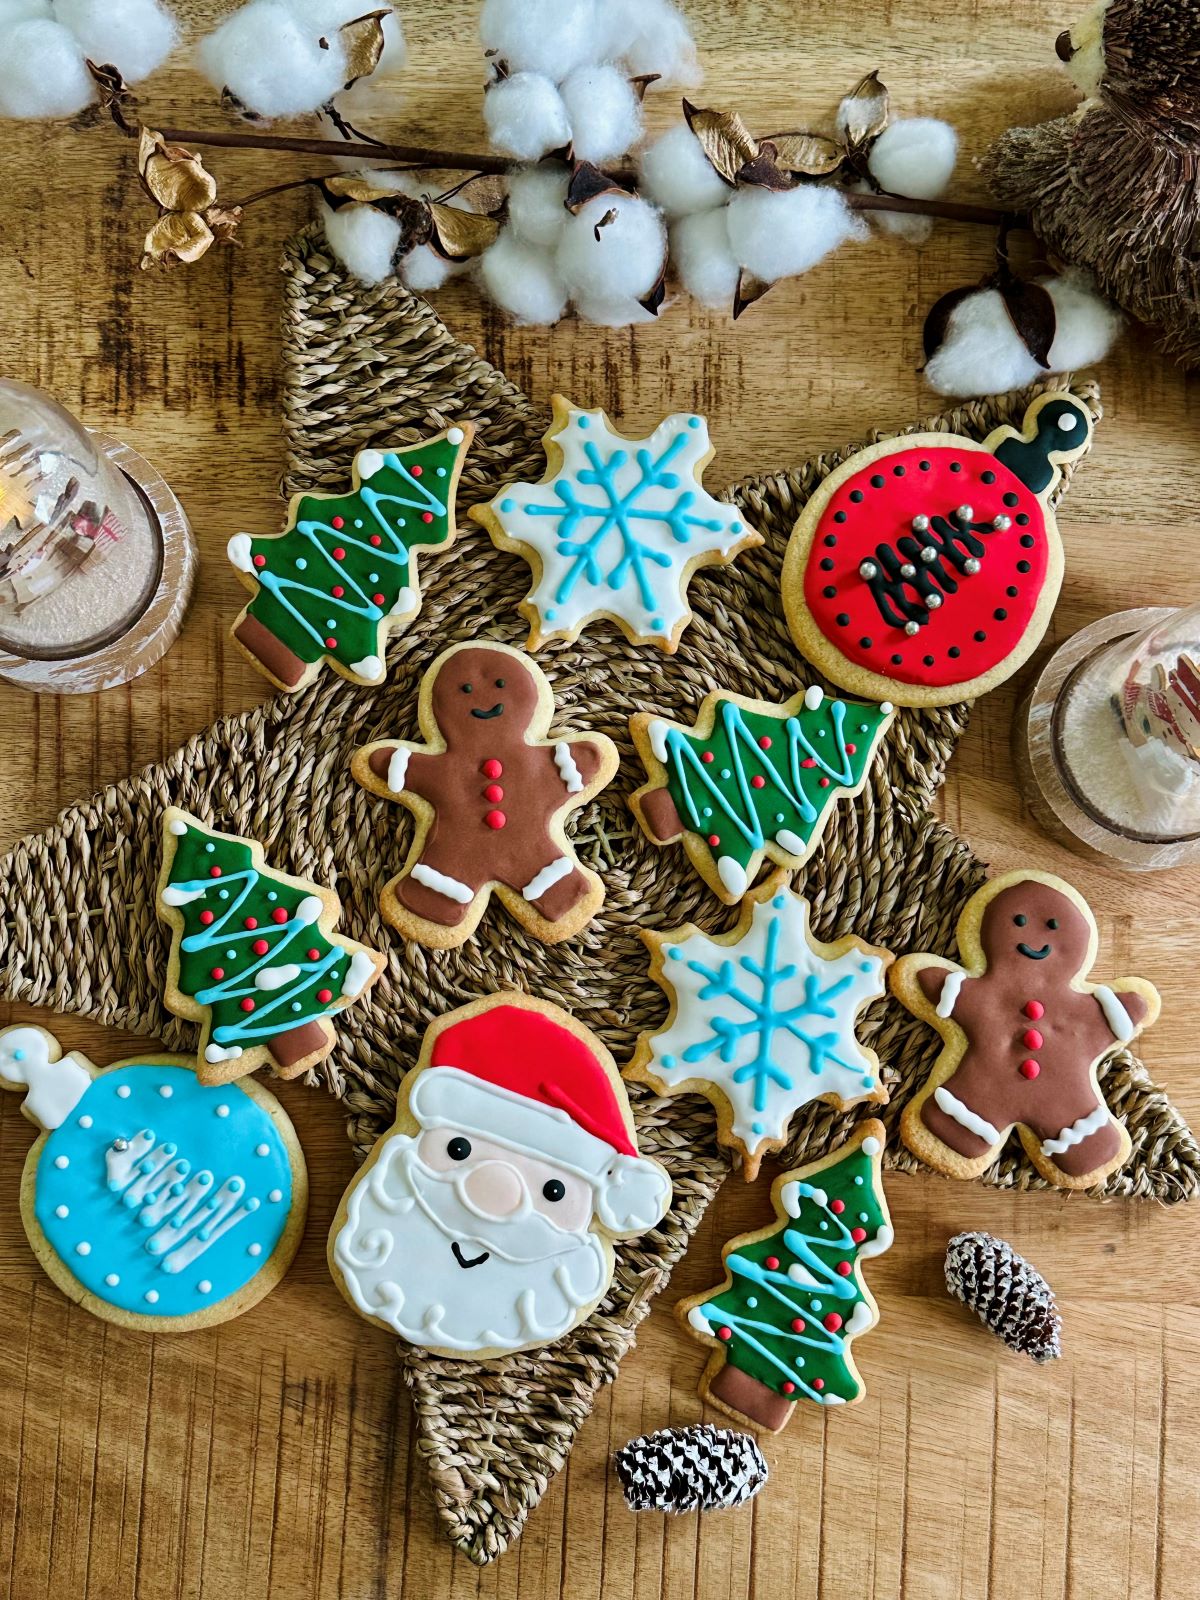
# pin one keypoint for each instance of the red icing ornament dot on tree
(314, 955)
(824, 783)
(758, 781)
(260, 947)
(337, 522)
(418, 471)
(837, 1207)
(247, 1004)
(787, 1386)
(772, 1263)
(851, 749)
(832, 1322)
(1030, 1069)
(205, 918)
(376, 539)
(217, 974)
(707, 756)
(818, 1383)
(1034, 1010)
(339, 554)
(279, 914)
(324, 996)
(798, 1324)
(260, 561)
(250, 922)
(714, 840)
(724, 1333)
(378, 599)
(858, 1234)
(843, 1269)
(427, 516)
(337, 591)
(214, 872)
(808, 762)
(765, 742)
(331, 644)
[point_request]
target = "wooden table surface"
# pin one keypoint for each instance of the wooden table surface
(274, 1456)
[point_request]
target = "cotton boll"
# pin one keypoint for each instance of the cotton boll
(981, 352)
(525, 117)
(325, 17)
(272, 61)
(551, 37)
(702, 258)
(13, 11)
(604, 112)
(135, 35)
(537, 197)
(914, 157)
(363, 239)
(618, 311)
(779, 233)
(622, 260)
(423, 270)
(663, 44)
(1087, 325)
(679, 177)
(43, 74)
(522, 280)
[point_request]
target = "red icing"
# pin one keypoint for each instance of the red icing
(765, 742)
(818, 1383)
(772, 1263)
(758, 781)
(714, 840)
(314, 955)
(824, 782)
(218, 973)
(837, 1207)
(260, 947)
(339, 553)
(324, 996)
(260, 561)
(1030, 1069)
(376, 538)
(427, 516)
(417, 471)
(205, 918)
(1032, 1039)
(858, 1234)
(809, 761)
(279, 915)
(495, 819)
(843, 1269)
(247, 1004)
(724, 1333)
(492, 768)
(331, 644)
(787, 1386)
(798, 1324)
(884, 515)
(707, 755)
(1034, 1010)
(833, 1322)
(378, 599)
(493, 792)
(337, 522)
(214, 872)
(251, 922)
(337, 591)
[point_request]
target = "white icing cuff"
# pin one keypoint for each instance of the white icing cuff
(370, 669)
(238, 551)
(359, 973)
(216, 1052)
(548, 877)
(368, 463)
(398, 769)
(699, 1321)
(1121, 1024)
(860, 1320)
(813, 696)
(882, 1241)
(1077, 1132)
(406, 601)
(176, 895)
(791, 842)
(178, 827)
(442, 883)
(567, 770)
(962, 1114)
(455, 435)
(950, 992)
(656, 734)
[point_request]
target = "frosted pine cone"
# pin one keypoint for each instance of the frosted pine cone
(690, 1469)
(1005, 1292)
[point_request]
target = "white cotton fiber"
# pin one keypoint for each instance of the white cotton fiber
(703, 260)
(604, 112)
(525, 117)
(913, 157)
(325, 17)
(522, 281)
(271, 61)
(622, 260)
(663, 44)
(1087, 324)
(363, 239)
(679, 177)
(134, 35)
(617, 311)
(12, 11)
(779, 233)
(537, 203)
(423, 270)
(551, 37)
(43, 74)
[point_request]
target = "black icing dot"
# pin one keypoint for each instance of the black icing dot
(980, 636)
(928, 660)
(898, 472)
(954, 652)
(1022, 520)
(1027, 541)
(829, 592)
(865, 641)
(956, 466)
(843, 620)
(1000, 614)
(856, 495)
(830, 540)
(1022, 566)
(1012, 591)
(839, 516)
(987, 477)
(896, 660)
(924, 466)
(876, 480)
(1011, 499)
(827, 564)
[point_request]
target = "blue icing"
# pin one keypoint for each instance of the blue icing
(187, 1204)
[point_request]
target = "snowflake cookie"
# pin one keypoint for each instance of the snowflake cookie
(616, 527)
(763, 1020)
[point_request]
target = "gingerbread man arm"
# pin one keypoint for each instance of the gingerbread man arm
(579, 762)
(1127, 1011)
(402, 769)
(940, 985)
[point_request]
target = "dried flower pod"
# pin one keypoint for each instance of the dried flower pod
(1007, 1294)
(701, 1468)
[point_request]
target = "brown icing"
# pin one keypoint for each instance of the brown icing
(283, 664)
(749, 1398)
(661, 815)
(296, 1044)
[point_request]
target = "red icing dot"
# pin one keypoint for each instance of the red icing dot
(338, 553)
(758, 781)
(378, 599)
(798, 1324)
(417, 472)
(1032, 1039)
(495, 819)
(337, 591)
(837, 1207)
(843, 1269)
(492, 769)
(707, 756)
(376, 538)
(260, 561)
(858, 1234)
(251, 922)
(214, 872)
(1030, 1069)
(493, 792)
(337, 522)
(247, 1004)
(313, 955)
(787, 1386)
(824, 783)
(218, 973)
(833, 1322)
(808, 762)
(205, 918)
(765, 742)
(851, 749)
(724, 1333)
(771, 1263)
(279, 915)
(1034, 1010)
(714, 840)
(260, 947)
(324, 996)
(331, 644)
(818, 1383)
(427, 516)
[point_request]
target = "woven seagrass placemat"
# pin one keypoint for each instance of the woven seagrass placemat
(376, 365)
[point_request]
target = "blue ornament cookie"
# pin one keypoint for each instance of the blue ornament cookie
(151, 1199)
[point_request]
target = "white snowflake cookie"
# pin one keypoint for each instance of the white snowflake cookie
(616, 527)
(763, 1020)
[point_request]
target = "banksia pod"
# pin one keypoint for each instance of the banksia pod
(690, 1469)
(1005, 1292)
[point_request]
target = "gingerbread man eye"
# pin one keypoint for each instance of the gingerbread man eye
(1020, 919)
(458, 1149)
(553, 1188)
(466, 688)
(499, 683)
(1053, 923)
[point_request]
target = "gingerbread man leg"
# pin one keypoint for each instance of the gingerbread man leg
(431, 890)
(557, 888)
(1092, 1142)
(949, 1116)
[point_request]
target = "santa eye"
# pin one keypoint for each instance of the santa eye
(554, 1189)
(1053, 923)
(458, 1149)
(466, 688)
(1021, 919)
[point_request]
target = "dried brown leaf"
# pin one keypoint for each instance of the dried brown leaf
(1031, 312)
(224, 222)
(749, 289)
(177, 237)
(812, 154)
(653, 301)
(587, 182)
(347, 188)
(724, 138)
(934, 332)
(173, 177)
(606, 221)
(865, 111)
(460, 235)
(363, 41)
(642, 82)
(762, 172)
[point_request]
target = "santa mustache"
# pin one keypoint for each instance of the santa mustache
(524, 1237)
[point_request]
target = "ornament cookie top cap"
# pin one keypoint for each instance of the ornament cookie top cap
(925, 569)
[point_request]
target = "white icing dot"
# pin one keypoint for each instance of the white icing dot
(275, 1196)
(178, 828)
(61, 1162)
(222, 1110)
(62, 1211)
(254, 1250)
(111, 1279)
(204, 1286)
(83, 1248)
(262, 1150)
(85, 1122)
(456, 435)
(165, 1090)
(123, 1092)
(151, 1297)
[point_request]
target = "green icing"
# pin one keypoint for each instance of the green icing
(295, 600)
(777, 1315)
(216, 888)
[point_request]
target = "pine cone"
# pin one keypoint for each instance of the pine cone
(690, 1469)
(1005, 1292)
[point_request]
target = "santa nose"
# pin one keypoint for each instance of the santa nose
(495, 1188)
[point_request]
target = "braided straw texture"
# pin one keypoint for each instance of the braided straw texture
(376, 365)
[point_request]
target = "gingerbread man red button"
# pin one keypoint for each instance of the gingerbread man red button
(960, 1119)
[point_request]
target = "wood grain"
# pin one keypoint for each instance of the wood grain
(274, 1457)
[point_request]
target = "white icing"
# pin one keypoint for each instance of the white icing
(699, 1321)
(548, 877)
(178, 827)
(882, 1241)
(1079, 1130)
(368, 463)
(567, 770)
(886, 707)
(309, 910)
(656, 732)
(1121, 1024)
(733, 875)
(404, 602)
(53, 1088)
(187, 1213)
(633, 1196)
(862, 1318)
(948, 998)
(397, 769)
(269, 978)
(813, 696)
(791, 842)
(455, 435)
(216, 1052)
(871, 1145)
(443, 884)
(173, 895)
(370, 668)
(768, 1020)
(238, 551)
(962, 1114)
(633, 566)
(359, 973)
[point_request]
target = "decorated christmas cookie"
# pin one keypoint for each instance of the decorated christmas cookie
(763, 1020)
(343, 575)
(483, 1222)
(752, 779)
(1024, 1032)
(151, 1200)
(491, 789)
(793, 1300)
(616, 527)
(254, 957)
(925, 568)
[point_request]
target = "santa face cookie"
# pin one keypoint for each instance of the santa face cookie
(752, 779)
(763, 1020)
(254, 957)
(1024, 1032)
(483, 1222)
(491, 790)
(151, 1200)
(781, 1325)
(925, 569)
(616, 528)
(342, 577)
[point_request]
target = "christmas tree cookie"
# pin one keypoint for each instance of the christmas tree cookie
(254, 957)
(793, 1300)
(616, 527)
(152, 1200)
(343, 574)
(763, 1020)
(752, 779)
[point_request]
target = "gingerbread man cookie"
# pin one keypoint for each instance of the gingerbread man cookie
(1024, 1031)
(491, 789)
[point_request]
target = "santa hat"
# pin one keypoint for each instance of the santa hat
(515, 1075)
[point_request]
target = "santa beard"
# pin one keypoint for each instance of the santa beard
(397, 1256)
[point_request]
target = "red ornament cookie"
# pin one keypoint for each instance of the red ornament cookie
(925, 569)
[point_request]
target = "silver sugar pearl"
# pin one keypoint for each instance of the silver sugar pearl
(912, 628)
(971, 566)
(1001, 522)
(929, 555)
(120, 1144)
(965, 513)
(920, 524)
(908, 570)
(867, 569)
(934, 601)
